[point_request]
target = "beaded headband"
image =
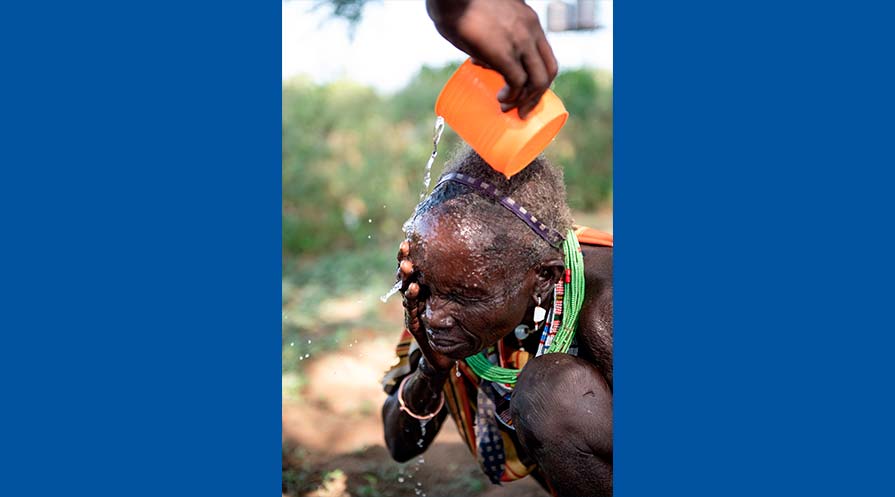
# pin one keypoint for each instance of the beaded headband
(550, 235)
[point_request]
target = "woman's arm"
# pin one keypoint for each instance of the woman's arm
(422, 390)
(595, 320)
(422, 395)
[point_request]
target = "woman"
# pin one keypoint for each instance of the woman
(484, 260)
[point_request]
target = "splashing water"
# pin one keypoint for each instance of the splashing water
(436, 137)
(391, 292)
(423, 423)
(427, 179)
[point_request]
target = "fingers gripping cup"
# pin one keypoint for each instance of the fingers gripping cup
(469, 104)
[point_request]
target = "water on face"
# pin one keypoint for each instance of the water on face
(427, 180)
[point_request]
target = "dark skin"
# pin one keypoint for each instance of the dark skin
(504, 35)
(457, 303)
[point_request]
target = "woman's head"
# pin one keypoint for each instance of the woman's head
(481, 268)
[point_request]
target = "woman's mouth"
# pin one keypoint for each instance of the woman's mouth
(446, 344)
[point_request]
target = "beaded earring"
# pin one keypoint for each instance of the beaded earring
(540, 313)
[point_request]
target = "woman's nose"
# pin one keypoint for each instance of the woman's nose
(436, 316)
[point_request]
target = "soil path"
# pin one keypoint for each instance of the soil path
(333, 445)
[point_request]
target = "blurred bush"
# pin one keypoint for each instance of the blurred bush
(353, 159)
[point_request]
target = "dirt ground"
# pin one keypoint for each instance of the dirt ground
(333, 442)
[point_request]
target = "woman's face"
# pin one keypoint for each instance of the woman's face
(471, 301)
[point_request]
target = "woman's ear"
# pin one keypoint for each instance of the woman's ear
(549, 273)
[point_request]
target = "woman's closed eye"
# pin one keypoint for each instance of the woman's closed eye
(468, 297)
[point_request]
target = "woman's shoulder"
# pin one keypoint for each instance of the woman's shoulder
(595, 319)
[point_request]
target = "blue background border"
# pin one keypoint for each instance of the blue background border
(752, 270)
(140, 194)
(753, 204)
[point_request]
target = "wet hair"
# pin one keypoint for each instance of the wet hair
(539, 188)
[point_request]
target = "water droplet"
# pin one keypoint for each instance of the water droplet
(419, 484)
(309, 340)
(369, 237)
(458, 373)
(307, 355)
(369, 220)
(350, 344)
(400, 479)
(422, 460)
(301, 358)
(292, 344)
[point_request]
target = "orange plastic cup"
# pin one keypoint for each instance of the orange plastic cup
(469, 105)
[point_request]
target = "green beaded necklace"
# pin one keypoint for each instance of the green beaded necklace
(574, 297)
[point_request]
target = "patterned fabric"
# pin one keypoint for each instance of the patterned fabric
(491, 455)
(401, 364)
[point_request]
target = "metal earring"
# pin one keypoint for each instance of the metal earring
(540, 312)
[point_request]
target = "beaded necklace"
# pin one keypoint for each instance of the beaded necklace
(557, 336)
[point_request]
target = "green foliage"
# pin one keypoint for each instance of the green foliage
(415, 102)
(326, 299)
(584, 146)
(353, 159)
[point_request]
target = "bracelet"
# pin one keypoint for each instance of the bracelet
(403, 406)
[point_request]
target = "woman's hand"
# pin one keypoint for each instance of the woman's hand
(504, 35)
(414, 306)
